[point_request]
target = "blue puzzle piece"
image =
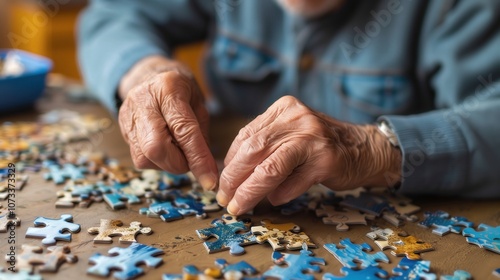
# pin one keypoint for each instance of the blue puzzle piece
(165, 210)
(126, 260)
(173, 180)
(297, 265)
(241, 266)
(488, 238)
(229, 236)
(369, 273)
(68, 171)
(352, 253)
(189, 206)
(413, 269)
(368, 203)
(53, 229)
(115, 196)
(443, 223)
(496, 272)
(457, 275)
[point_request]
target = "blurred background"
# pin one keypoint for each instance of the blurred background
(48, 28)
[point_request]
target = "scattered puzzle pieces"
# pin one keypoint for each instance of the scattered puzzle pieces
(111, 228)
(6, 221)
(443, 223)
(401, 243)
(53, 229)
(342, 219)
(367, 202)
(370, 272)
(68, 171)
(457, 275)
(413, 269)
(488, 237)
(49, 262)
(281, 236)
(403, 207)
(126, 260)
(297, 265)
(352, 253)
(230, 235)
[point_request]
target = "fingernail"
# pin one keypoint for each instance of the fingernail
(222, 198)
(208, 182)
(233, 208)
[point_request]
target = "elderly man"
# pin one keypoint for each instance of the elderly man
(399, 94)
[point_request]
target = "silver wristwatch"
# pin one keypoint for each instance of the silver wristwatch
(386, 129)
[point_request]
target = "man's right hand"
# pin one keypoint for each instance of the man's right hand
(164, 121)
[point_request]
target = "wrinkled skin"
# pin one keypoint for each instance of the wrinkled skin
(278, 155)
(164, 121)
(290, 147)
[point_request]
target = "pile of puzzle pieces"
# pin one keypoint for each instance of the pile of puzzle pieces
(46, 147)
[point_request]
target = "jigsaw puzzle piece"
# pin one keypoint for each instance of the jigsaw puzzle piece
(488, 237)
(413, 269)
(443, 223)
(403, 207)
(230, 235)
(367, 202)
(175, 180)
(165, 210)
(401, 243)
(496, 272)
(235, 271)
(111, 228)
(457, 275)
(118, 195)
(352, 253)
(368, 273)
(281, 236)
(125, 260)
(342, 219)
(189, 206)
(54, 229)
(49, 262)
(297, 265)
(69, 171)
(191, 272)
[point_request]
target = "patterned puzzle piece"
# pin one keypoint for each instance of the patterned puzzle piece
(297, 265)
(342, 219)
(230, 235)
(111, 228)
(53, 229)
(457, 275)
(403, 207)
(114, 172)
(352, 253)
(413, 269)
(235, 271)
(225, 271)
(126, 260)
(83, 194)
(175, 180)
(187, 205)
(7, 221)
(401, 243)
(20, 275)
(368, 273)
(69, 171)
(118, 195)
(367, 202)
(165, 210)
(443, 223)
(49, 262)
(488, 237)
(149, 181)
(281, 236)
(207, 198)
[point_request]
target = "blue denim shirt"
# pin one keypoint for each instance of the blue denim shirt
(429, 68)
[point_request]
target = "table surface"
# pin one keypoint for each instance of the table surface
(181, 244)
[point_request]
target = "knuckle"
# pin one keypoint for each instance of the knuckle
(270, 169)
(251, 147)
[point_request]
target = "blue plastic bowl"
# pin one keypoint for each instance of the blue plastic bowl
(17, 92)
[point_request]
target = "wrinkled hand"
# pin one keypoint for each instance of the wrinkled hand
(289, 148)
(164, 121)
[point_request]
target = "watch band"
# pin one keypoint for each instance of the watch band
(386, 129)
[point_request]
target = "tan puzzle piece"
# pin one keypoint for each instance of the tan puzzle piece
(401, 243)
(118, 173)
(49, 262)
(282, 227)
(111, 228)
(342, 218)
(6, 221)
(281, 236)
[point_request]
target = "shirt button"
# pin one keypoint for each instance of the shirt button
(306, 62)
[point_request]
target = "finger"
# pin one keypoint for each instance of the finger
(158, 145)
(294, 186)
(186, 131)
(138, 158)
(266, 177)
(250, 154)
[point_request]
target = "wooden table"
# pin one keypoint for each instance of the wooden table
(181, 244)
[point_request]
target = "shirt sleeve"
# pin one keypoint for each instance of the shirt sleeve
(115, 34)
(454, 150)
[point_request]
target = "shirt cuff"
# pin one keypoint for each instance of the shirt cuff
(434, 152)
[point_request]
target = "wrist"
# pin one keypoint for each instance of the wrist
(386, 154)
